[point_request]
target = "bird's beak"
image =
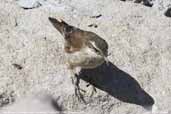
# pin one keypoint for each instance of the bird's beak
(59, 25)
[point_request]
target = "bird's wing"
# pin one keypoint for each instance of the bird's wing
(99, 51)
(98, 43)
(94, 47)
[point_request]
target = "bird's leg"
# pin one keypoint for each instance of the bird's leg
(74, 74)
(107, 61)
(78, 90)
(75, 81)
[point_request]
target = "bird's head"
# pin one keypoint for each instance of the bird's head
(72, 35)
(64, 28)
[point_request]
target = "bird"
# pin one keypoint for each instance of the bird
(84, 49)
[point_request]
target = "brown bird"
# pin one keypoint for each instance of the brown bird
(84, 49)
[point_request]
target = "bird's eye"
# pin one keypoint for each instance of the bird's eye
(68, 29)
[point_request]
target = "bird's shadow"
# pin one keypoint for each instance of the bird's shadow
(117, 83)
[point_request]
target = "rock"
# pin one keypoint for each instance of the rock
(35, 103)
(30, 4)
(6, 98)
(148, 3)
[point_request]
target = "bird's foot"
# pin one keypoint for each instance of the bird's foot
(91, 91)
(79, 93)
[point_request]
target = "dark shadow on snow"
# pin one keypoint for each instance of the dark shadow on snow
(117, 83)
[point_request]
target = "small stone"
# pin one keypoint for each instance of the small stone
(19, 67)
(93, 25)
(168, 13)
(148, 3)
(30, 4)
(97, 16)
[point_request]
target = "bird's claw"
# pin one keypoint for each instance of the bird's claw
(79, 93)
